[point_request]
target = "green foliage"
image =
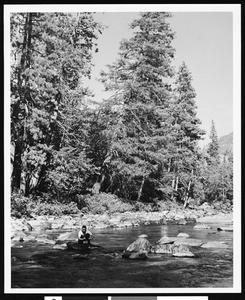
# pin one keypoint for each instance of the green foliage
(145, 207)
(213, 147)
(42, 207)
(102, 203)
(218, 183)
(39, 205)
(140, 145)
(51, 54)
(139, 79)
(19, 205)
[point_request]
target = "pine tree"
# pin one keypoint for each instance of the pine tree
(50, 53)
(186, 133)
(213, 147)
(218, 174)
(140, 79)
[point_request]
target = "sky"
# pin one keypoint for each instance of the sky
(203, 40)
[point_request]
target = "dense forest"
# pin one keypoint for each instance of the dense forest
(133, 151)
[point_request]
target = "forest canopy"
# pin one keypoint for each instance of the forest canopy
(135, 150)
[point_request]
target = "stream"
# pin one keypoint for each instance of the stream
(37, 265)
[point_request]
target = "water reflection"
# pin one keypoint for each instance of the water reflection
(164, 231)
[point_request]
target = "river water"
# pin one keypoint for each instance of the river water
(39, 266)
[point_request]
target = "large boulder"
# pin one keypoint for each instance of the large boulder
(140, 245)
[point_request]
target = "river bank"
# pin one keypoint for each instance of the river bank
(200, 217)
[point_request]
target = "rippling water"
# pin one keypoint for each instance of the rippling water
(39, 266)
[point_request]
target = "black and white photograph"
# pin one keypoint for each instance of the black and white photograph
(122, 148)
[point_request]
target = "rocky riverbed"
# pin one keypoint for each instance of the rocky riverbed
(39, 227)
(171, 248)
(152, 255)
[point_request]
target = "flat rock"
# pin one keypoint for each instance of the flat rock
(188, 242)
(144, 236)
(227, 219)
(60, 247)
(68, 236)
(201, 226)
(141, 255)
(45, 241)
(183, 235)
(183, 254)
(225, 228)
(215, 244)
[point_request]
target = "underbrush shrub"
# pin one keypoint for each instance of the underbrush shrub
(102, 203)
(145, 207)
(39, 205)
(55, 208)
(19, 205)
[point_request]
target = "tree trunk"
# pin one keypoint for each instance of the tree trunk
(19, 163)
(176, 183)
(173, 184)
(186, 202)
(141, 188)
(169, 165)
(97, 186)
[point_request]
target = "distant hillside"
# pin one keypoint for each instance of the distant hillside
(226, 143)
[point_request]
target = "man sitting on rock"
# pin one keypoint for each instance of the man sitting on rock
(84, 235)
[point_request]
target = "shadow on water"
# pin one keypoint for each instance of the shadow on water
(39, 266)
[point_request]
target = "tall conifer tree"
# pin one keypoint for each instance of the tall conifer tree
(186, 133)
(50, 53)
(213, 147)
(140, 79)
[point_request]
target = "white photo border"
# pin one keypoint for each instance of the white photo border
(236, 11)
